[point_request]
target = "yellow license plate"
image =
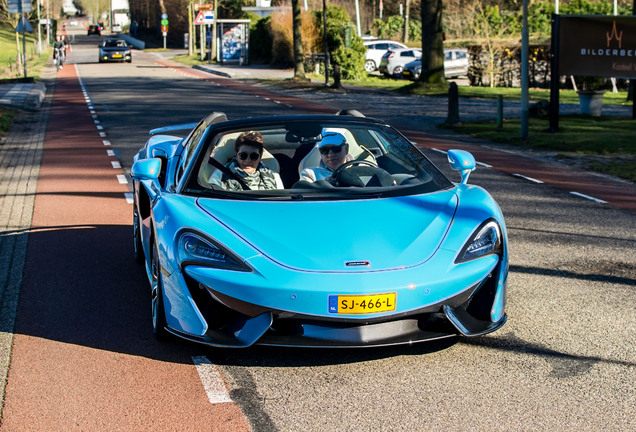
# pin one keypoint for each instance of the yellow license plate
(117, 56)
(362, 304)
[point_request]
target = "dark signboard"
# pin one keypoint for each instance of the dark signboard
(603, 46)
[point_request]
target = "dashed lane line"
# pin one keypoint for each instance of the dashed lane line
(587, 197)
(121, 178)
(528, 178)
(212, 380)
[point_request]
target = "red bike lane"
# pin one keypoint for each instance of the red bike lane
(84, 357)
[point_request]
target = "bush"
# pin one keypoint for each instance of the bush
(393, 28)
(348, 53)
(261, 41)
(272, 41)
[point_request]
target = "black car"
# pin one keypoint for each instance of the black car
(94, 29)
(114, 50)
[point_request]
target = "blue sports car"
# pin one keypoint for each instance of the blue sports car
(251, 235)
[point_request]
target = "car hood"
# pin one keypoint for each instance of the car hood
(340, 236)
(115, 48)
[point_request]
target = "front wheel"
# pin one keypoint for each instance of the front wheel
(369, 66)
(156, 294)
(397, 72)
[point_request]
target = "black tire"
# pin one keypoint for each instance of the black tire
(156, 297)
(138, 248)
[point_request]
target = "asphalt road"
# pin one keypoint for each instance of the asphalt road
(566, 359)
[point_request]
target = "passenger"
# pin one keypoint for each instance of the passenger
(246, 164)
(334, 151)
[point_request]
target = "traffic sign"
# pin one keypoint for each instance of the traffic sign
(164, 22)
(164, 29)
(204, 17)
(23, 26)
(203, 7)
(19, 6)
(164, 16)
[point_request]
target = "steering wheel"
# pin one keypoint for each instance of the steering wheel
(352, 177)
(351, 163)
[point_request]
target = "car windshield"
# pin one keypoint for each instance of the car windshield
(114, 43)
(311, 160)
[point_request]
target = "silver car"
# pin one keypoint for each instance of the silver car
(455, 64)
(393, 62)
(376, 48)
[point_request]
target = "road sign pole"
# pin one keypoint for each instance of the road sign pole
(24, 54)
(39, 31)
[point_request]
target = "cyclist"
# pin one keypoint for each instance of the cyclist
(58, 52)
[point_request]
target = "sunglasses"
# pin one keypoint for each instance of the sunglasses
(253, 156)
(334, 149)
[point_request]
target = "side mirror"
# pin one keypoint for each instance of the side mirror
(146, 169)
(463, 162)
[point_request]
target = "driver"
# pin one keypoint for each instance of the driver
(334, 151)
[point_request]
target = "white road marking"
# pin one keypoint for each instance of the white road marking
(103, 134)
(121, 178)
(597, 200)
(115, 164)
(528, 178)
(212, 380)
(100, 127)
(129, 197)
(110, 152)
(95, 120)
(438, 150)
(106, 142)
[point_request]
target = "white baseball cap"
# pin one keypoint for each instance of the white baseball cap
(332, 139)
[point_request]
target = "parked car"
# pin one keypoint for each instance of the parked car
(116, 50)
(455, 64)
(393, 62)
(387, 250)
(73, 22)
(94, 29)
(376, 48)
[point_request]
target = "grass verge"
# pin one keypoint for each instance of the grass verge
(8, 54)
(581, 141)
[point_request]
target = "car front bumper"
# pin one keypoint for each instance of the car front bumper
(115, 56)
(214, 316)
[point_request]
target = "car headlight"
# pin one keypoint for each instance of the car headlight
(486, 240)
(195, 249)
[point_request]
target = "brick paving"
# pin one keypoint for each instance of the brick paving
(20, 156)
